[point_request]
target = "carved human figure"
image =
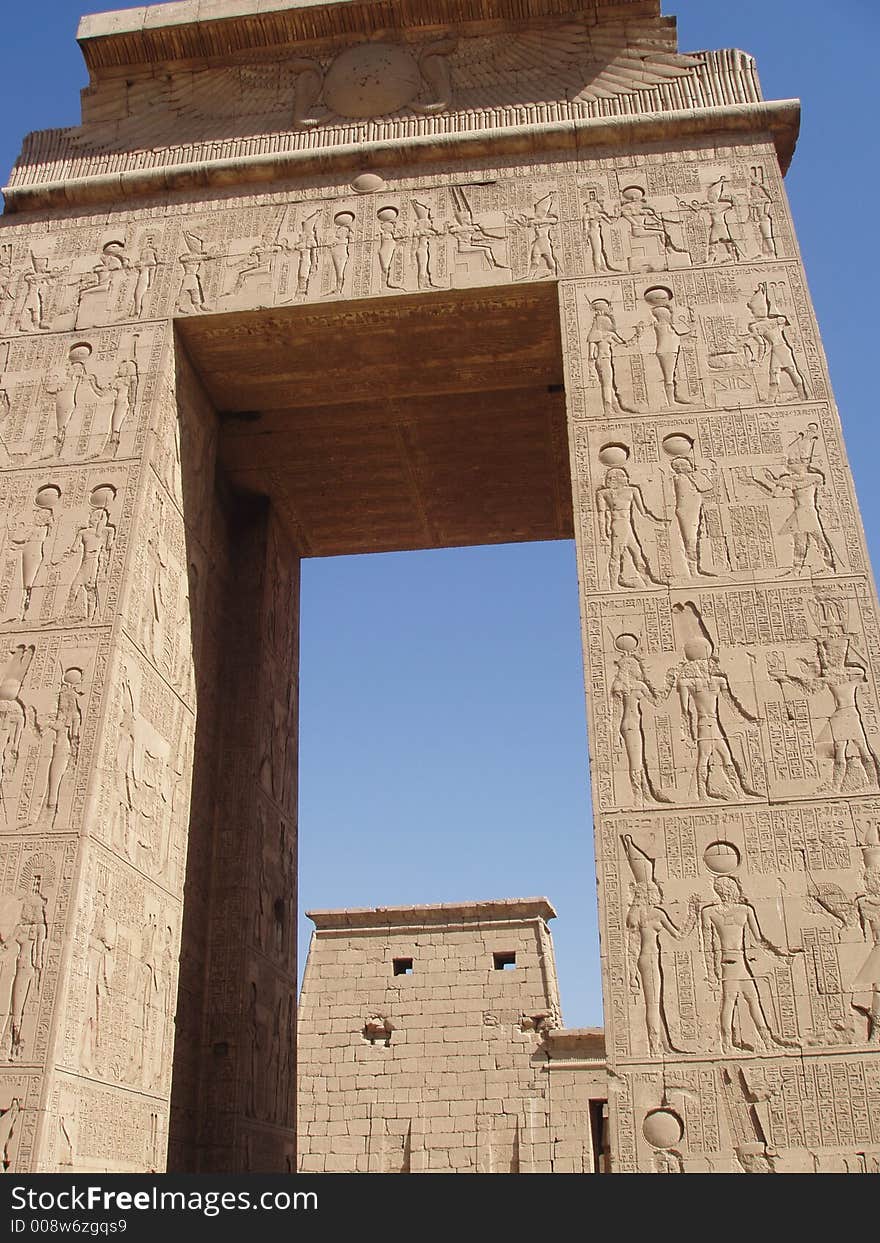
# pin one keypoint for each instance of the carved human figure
(141, 1053)
(258, 265)
(721, 246)
(760, 212)
(730, 928)
(617, 502)
(191, 294)
(803, 483)
(158, 600)
(837, 672)
(766, 339)
(307, 245)
(163, 966)
(126, 774)
(25, 948)
(108, 276)
(471, 238)
(630, 688)
(93, 543)
(540, 222)
(13, 715)
(669, 327)
(602, 337)
(389, 237)
(340, 247)
(27, 534)
(645, 225)
(66, 726)
(145, 265)
(101, 951)
(595, 216)
(423, 231)
(868, 975)
(645, 921)
(39, 281)
(702, 686)
(66, 386)
(156, 964)
(7, 280)
(7, 458)
(124, 387)
(690, 486)
(8, 1120)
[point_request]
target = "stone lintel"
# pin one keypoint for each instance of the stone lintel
(194, 29)
(584, 1043)
(780, 119)
(503, 910)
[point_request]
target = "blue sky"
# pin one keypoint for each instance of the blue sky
(443, 751)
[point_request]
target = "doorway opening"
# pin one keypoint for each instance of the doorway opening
(443, 741)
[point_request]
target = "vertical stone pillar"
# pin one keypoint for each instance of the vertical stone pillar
(247, 1064)
(97, 708)
(731, 653)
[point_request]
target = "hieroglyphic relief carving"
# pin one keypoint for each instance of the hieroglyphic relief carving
(125, 958)
(539, 223)
(618, 502)
(427, 76)
(92, 1133)
(752, 1116)
(269, 1023)
(256, 269)
(471, 236)
(75, 399)
(764, 497)
(645, 921)
(141, 814)
(23, 947)
(679, 213)
(729, 928)
(734, 337)
(629, 687)
(193, 260)
(713, 993)
(60, 556)
(752, 689)
(668, 327)
(47, 686)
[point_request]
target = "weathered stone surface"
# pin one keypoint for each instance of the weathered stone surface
(242, 321)
(429, 1040)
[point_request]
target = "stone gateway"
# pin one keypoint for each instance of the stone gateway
(339, 276)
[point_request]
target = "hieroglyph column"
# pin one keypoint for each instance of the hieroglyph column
(731, 653)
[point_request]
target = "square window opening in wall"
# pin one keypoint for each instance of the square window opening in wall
(403, 966)
(504, 961)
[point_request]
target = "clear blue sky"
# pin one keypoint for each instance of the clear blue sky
(443, 750)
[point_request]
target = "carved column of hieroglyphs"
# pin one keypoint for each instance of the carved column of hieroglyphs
(730, 641)
(97, 711)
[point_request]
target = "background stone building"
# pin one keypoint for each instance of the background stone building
(430, 1041)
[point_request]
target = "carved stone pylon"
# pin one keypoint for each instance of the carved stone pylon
(291, 289)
